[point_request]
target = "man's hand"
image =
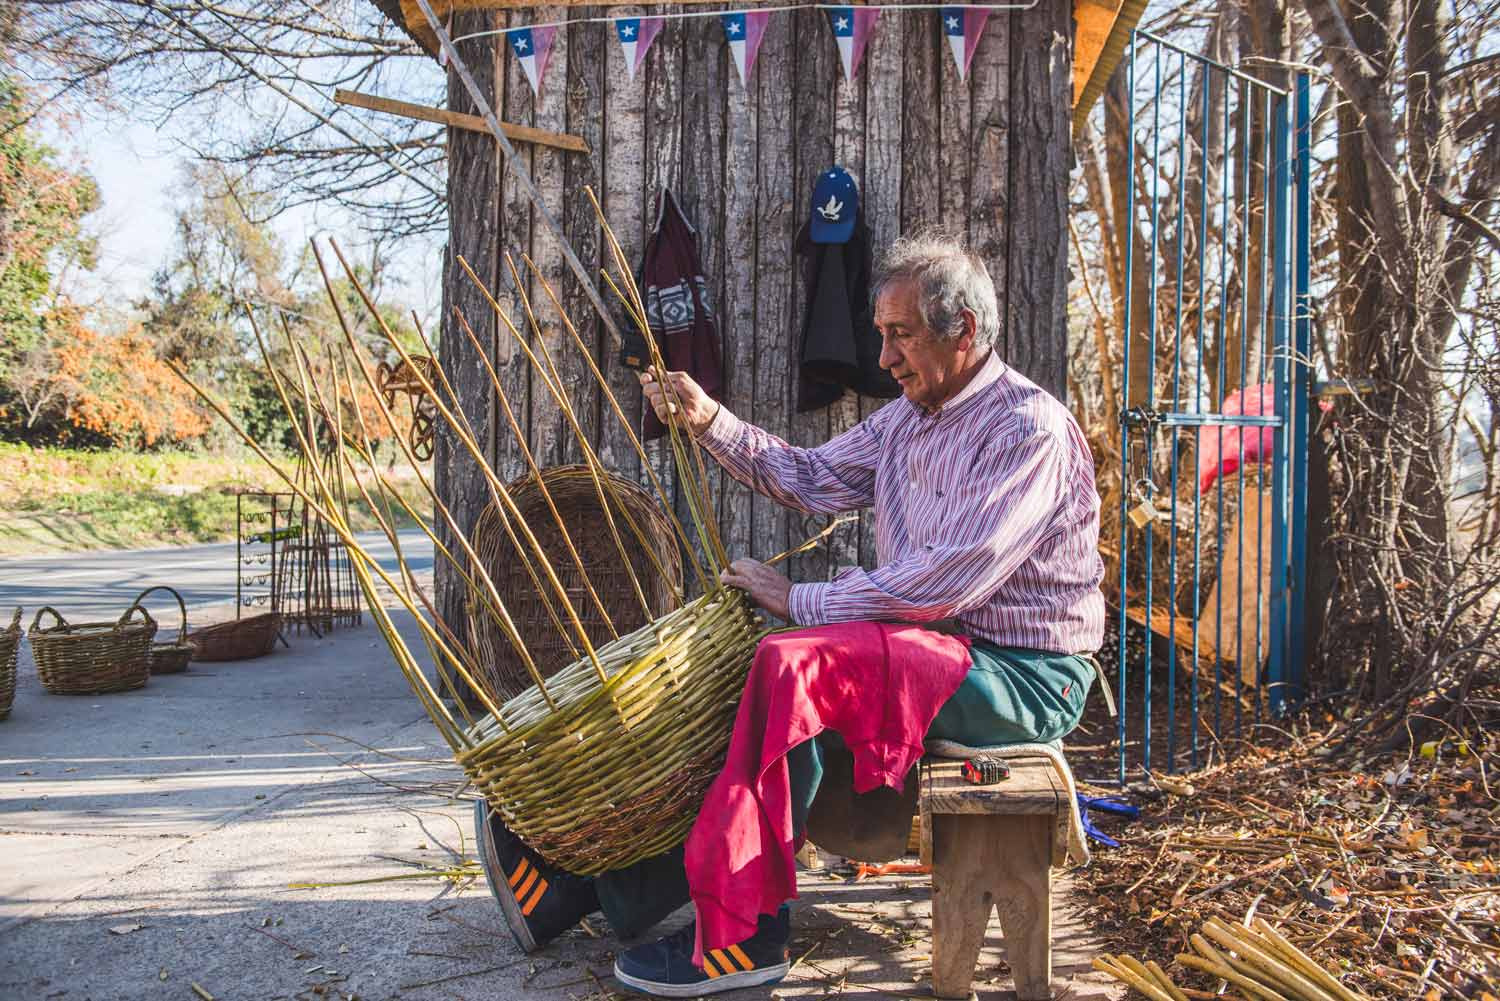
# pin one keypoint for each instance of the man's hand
(697, 407)
(768, 589)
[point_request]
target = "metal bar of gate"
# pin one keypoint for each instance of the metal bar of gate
(1125, 407)
(1280, 465)
(1302, 389)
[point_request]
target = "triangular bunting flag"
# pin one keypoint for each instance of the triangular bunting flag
(636, 35)
(532, 46)
(744, 31)
(963, 26)
(852, 28)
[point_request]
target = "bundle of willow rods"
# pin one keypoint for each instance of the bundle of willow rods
(1257, 962)
(605, 762)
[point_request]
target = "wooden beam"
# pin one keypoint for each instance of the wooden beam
(471, 123)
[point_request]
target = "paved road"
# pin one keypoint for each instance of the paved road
(100, 584)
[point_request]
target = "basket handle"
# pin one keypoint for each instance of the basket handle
(15, 623)
(182, 608)
(124, 620)
(36, 623)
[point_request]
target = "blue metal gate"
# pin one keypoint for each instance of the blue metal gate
(1212, 555)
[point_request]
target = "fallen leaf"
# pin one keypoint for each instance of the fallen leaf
(124, 929)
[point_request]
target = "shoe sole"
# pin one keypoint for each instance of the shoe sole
(490, 861)
(714, 985)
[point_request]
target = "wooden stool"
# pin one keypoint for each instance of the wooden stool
(990, 847)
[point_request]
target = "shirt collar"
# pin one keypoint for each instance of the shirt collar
(990, 371)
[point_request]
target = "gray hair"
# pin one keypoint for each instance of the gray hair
(948, 279)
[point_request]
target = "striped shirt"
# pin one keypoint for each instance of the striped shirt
(985, 511)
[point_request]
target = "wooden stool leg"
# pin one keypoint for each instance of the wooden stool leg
(984, 862)
(961, 900)
(1023, 896)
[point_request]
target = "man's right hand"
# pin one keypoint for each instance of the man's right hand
(685, 402)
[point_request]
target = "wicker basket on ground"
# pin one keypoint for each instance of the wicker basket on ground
(92, 658)
(575, 497)
(169, 658)
(10, 642)
(237, 639)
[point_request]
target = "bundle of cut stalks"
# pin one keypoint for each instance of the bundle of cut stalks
(1256, 962)
(605, 762)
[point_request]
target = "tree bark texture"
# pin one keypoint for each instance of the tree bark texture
(986, 158)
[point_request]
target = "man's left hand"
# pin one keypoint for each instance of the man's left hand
(768, 589)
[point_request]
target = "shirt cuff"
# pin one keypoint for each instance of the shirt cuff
(805, 604)
(722, 431)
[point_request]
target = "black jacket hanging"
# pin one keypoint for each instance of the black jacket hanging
(840, 348)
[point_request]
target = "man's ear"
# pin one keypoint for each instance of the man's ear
(971, 328)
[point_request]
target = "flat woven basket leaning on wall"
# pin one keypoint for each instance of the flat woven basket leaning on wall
(238, 639)
(92, 658)
(605, 762)
(572, 494)
(10, 643)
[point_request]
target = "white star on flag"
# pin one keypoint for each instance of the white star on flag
(744, 30)
(636, 35)
(852, 29)
(532, 46)
(963, 26)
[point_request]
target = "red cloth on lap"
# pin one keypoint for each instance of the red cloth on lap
(878, 684)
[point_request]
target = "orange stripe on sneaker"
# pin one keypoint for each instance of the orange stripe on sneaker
(536, 898)
(527, 884)
(724, 961)
(708, 966)
(744, 960)
(515, 877)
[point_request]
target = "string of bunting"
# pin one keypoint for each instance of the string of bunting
(852, 28)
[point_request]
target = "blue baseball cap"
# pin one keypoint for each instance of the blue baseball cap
(835, 203)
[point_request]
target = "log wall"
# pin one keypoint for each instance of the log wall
(987, 159)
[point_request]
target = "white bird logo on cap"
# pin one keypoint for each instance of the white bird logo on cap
(832, 210)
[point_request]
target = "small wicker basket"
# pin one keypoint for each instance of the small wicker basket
(10, 642)
(571, 492)
(92, 658)
(169, 658)
(237, 639)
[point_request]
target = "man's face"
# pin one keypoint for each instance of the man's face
(926, 366)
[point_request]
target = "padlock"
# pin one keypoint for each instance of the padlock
(1143, 514)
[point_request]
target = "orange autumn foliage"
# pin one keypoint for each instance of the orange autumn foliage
(116, 385)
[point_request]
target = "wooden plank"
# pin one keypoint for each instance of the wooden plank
(551, 438)
(813, 89)
(921, 137)
(775, 216)
(585, 114)
(989, 155)
(624, 178)
(1032, 789)
(469, 123)
(663, 123)
(513, 369)
(1036, 336)
(703, 181)
(954, 129)
(883, 176)
(849, 152)
(738, 315)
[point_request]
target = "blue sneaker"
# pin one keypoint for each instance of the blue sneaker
(539, 902)
(665, 967)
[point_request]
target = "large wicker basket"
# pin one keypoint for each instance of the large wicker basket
(10, 642)
(657, 732)
(169, 658)
(237, 639)
(574, 496)
(92, 658)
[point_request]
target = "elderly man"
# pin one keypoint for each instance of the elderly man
(986, 518)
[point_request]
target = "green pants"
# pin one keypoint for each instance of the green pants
(1010, 696)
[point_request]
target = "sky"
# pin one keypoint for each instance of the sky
(135, 166)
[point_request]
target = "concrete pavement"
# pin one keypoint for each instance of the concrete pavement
(147, 841)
